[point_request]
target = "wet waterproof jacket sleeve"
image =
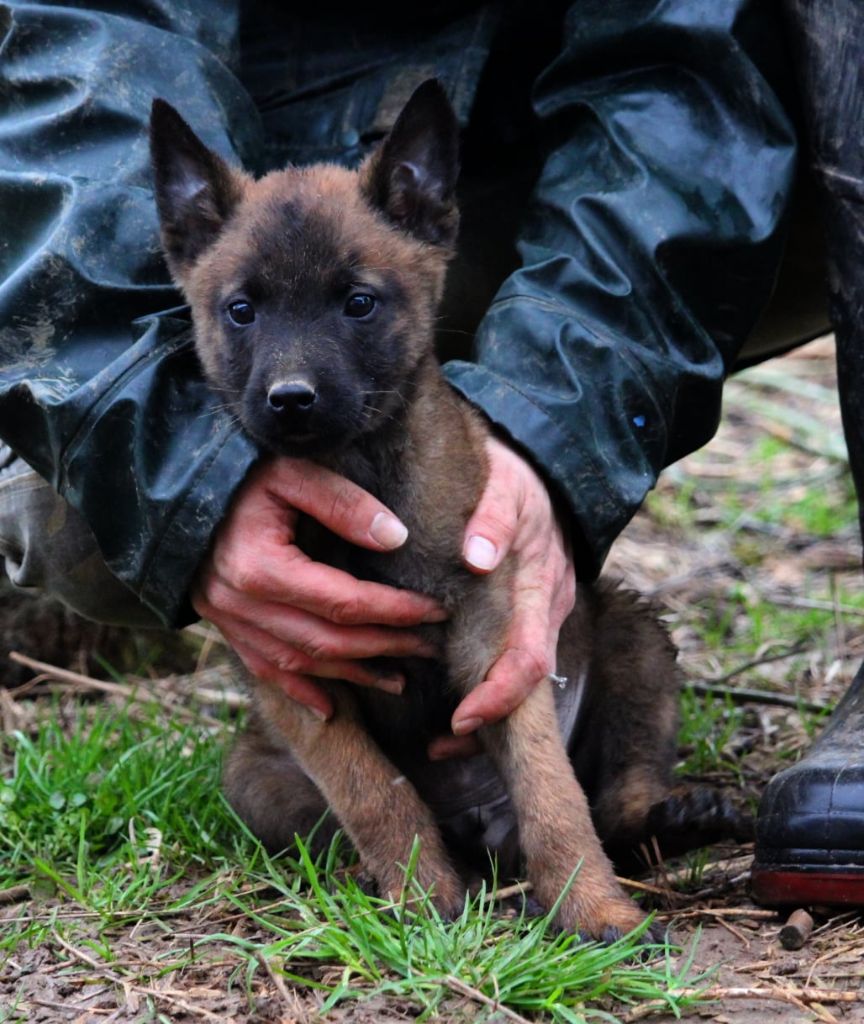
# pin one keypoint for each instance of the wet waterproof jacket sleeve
(650, 247)
(100, 395)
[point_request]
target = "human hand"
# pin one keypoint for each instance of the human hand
(514, 515)
(290, 619)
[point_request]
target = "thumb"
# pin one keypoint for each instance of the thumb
(491, 529)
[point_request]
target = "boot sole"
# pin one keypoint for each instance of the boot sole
(832, 887)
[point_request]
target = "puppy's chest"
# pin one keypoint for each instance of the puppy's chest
(428, 563)
(435, 515)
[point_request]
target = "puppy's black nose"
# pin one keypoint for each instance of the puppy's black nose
(292, 397)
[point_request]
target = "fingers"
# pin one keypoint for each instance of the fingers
(284, 658)
(337, 503)
(294, 685)
(314, 637)
(510, 680)
(255, 554)
(288, 576)
(442, 748)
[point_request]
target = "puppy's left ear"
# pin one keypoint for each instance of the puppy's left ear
(196, 191)
(411, 177)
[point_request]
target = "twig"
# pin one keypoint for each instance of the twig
(517, 889)
(291, 1002)
(814, 603)
(741, 695)
(79, 954)
(791, 425)
(140, 692)
(75, 678)
(796, 996)
(465, 989)
(739, 935)
(230, 698)
(67, 1007)
(725, 864)
(169, 995)
(721, 912)
(176, 999)
(205, 632)
(656, 890)
(764, 659)
(15, 894)
(722, 886)
(682, 579)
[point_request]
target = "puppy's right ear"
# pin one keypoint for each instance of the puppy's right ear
(195, 189)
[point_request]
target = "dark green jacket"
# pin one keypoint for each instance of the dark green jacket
(661, 148)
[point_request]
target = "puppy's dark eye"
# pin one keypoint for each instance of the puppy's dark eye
(359, 305)
(241, 313)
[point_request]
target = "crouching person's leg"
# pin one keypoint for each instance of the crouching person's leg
(54, 575)
(810, 827)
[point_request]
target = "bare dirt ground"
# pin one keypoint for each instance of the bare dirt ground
(750, 548)
(731, 541)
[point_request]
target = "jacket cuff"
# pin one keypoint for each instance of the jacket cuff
(169, 570)
(573, 479)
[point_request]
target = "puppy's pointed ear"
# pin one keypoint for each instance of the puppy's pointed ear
(411, 177)
(195, 189)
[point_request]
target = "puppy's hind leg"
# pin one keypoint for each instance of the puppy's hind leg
(274, 797)
(632, 734)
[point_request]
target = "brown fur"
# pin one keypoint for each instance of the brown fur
(384, 417)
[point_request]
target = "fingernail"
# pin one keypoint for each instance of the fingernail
(439, 615)
(481, 553)
(388, 531)
(466, 725)
(319, 714)
(391, 684)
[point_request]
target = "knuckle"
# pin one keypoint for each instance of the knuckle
(290, 661)
(217, 597)
(345, 611)
(495, 519)
(537, 664)
(243, 576)
(317, 647)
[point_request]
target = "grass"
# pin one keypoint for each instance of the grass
(113, 818)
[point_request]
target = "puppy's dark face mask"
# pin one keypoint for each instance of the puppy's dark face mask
(313, 291)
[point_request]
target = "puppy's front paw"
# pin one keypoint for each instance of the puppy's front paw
(446, 890)
(605, 920)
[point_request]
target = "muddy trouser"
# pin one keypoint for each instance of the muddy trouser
(47, 547)
(828, 37)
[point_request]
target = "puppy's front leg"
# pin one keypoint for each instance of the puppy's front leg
(555, 827)
(377, 806)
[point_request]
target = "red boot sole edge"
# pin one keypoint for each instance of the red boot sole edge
(803, 888)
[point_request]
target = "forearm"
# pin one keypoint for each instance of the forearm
(650, 248)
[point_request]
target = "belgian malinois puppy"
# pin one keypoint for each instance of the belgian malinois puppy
(314, 293)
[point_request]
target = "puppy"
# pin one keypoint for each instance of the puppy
(314, 293)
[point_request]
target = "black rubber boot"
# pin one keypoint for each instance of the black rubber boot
(810, 826)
